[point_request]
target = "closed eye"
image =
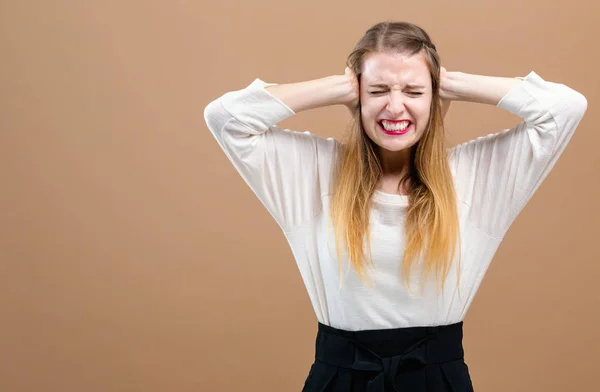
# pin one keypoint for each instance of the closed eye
(382, 92)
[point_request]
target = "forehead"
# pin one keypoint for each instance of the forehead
(396, 69)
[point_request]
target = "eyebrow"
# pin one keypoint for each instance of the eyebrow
(407, 86)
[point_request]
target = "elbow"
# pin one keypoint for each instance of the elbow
(580, 104)
(213, 116)
(209, 113)
(576, 102)
(573, 108)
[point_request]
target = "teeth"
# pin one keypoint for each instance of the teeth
(389, 126)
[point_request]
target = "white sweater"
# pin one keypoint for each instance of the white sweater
(495, 176)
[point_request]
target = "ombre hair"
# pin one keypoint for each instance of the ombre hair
(431, 221)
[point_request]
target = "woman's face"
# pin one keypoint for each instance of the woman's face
(395, 87)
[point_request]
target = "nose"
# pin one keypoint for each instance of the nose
(396, 103)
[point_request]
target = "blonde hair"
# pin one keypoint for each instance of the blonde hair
(431, 224)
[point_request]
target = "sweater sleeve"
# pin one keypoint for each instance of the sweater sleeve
(497, 174)
(285, 169)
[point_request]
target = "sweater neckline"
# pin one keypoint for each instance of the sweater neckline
(389, 198)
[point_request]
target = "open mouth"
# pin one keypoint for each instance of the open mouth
(395, 130)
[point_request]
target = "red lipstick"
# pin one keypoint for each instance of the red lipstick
(395, 133)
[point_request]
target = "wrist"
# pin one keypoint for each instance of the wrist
(339, 88)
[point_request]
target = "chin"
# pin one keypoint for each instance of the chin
(396, 147)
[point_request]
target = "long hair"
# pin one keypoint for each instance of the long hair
(431, 221)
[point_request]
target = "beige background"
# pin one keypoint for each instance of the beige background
(134, 257)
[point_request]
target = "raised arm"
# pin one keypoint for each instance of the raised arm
(331, 90)
(287, 170)
(497, 174)
(460, 86)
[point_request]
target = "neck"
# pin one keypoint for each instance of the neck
(396, 165)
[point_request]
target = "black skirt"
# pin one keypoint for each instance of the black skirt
(414, 359)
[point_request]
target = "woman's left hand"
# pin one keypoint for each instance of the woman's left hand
(445, 97)
(446, 93)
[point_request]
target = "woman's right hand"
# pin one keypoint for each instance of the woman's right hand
(351, 97)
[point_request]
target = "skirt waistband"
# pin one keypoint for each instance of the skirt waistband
(394, 354)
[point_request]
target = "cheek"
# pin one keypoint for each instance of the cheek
(368, 110)
(371, 107)
(369, 114)
(422, 111)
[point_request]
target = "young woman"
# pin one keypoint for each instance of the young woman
(391, 203)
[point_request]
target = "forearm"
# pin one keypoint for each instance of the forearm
(311, 94)
(478, 88)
